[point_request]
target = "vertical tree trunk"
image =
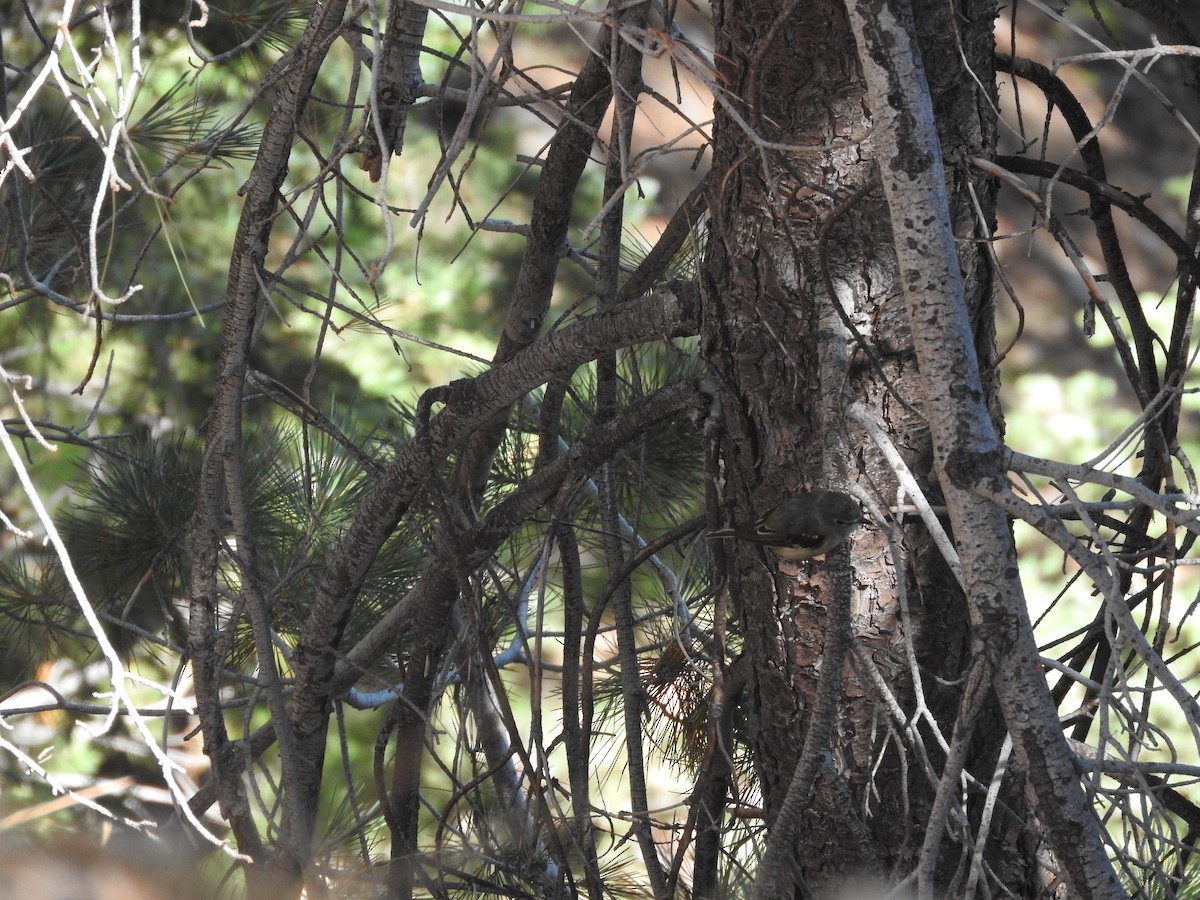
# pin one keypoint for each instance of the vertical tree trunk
(794, 232)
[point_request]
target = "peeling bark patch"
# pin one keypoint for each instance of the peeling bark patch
(966, 392)
(966, 467)
(888, 43)
(914, 160)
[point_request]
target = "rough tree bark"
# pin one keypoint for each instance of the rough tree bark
(805, 320)
(968, 458)
(222, 487)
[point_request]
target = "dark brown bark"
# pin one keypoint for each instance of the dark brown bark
(793, 234)
(223, 487)
(397, 83)
(968, 457)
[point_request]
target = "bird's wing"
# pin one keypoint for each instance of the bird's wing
(776, 538)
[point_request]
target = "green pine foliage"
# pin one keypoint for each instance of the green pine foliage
(128, 531)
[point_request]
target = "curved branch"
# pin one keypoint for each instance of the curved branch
(818, 736)
(967, 450)
(1122, 199)
(1058, 94)
(468, 403)
(222, 485)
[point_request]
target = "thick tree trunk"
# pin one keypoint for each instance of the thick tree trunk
(968, 457)
(794, 232)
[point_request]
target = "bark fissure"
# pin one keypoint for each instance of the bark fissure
(966, 445)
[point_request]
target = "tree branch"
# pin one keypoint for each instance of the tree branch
(967, 451)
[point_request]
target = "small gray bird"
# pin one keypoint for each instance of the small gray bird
(803, 526)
